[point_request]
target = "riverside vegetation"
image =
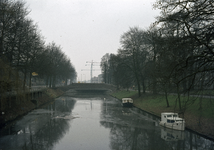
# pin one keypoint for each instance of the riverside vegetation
(27, 106)
(175, 54)
(198, 119)
(26, 61)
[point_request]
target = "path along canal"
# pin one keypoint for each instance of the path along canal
(93, 122)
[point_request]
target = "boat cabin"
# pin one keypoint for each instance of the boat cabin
(172, 120)
(165, 116)
(127, 102)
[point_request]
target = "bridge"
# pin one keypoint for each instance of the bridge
(14, 98)
(92, 87)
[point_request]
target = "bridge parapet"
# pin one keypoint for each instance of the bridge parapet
(92, 87)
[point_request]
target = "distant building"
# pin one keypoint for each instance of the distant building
(97, 79)
(100, 78)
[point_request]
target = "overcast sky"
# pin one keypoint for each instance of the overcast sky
(88, 29)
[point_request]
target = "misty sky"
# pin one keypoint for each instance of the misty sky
(88, 29)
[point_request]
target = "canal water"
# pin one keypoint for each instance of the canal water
(94, 122)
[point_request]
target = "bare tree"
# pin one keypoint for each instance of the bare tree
(132, 50)
(192, 28)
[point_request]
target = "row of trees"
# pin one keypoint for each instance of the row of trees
(175, 54)
(23, 51)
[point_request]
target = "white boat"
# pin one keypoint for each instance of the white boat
(172, 121)
(127, 102)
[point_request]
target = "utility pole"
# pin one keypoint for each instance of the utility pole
(92, 63)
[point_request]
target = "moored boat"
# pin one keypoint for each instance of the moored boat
(127, 102)
(172, 121)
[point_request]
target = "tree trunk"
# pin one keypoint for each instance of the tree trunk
(138, 86)
(179, 97)
(54, 81)
(166, 96)
(30, 80)
(50, 80)
(154, 88)
(143, 84)
(47, 79)
(24, 81)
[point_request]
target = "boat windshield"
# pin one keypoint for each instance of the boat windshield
(170, 121)
(172, 116)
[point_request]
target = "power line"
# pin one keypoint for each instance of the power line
(91, 63)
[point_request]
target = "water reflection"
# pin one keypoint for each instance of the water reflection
(171, 135)
(102, 124)
(40, 129)
(131, 128)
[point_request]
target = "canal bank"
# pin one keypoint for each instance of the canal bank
(73, 118)
(200, 122)
(26, 106)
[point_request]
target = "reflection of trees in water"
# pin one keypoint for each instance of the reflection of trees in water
(64, 105)
(129, 130)
(124, 137)
(54, 129)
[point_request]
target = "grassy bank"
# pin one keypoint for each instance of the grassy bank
(198, 119)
